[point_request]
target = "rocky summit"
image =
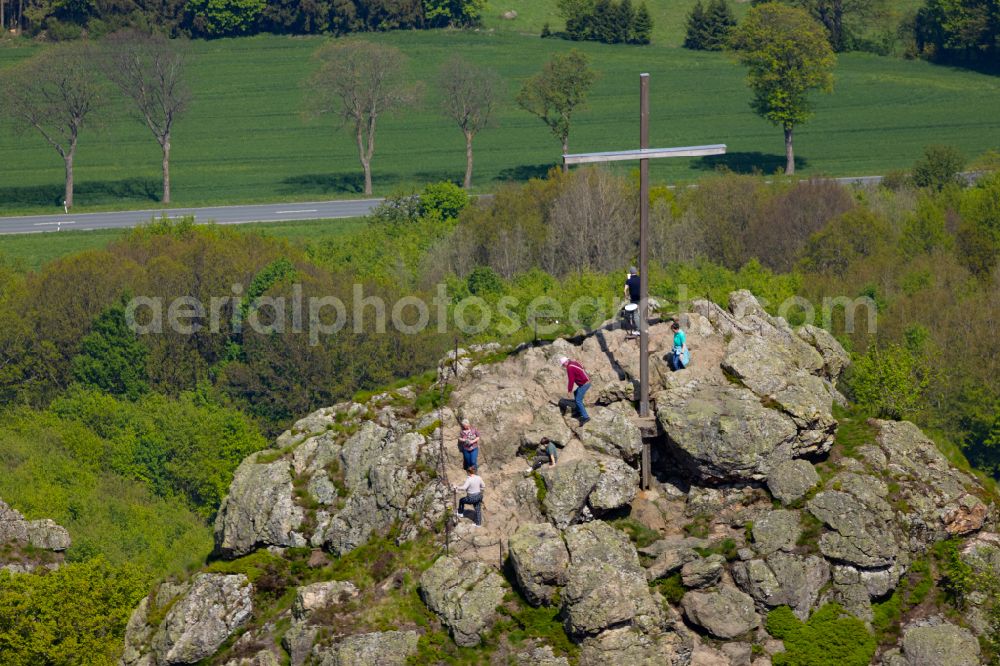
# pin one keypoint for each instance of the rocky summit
(341, 544)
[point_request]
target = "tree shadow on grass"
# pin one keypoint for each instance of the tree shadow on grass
(747, 162)
(324, 183)
(87, 192)
(526, 172)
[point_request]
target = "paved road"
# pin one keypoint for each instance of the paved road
(283, 212)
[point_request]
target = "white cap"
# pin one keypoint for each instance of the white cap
(563, 360)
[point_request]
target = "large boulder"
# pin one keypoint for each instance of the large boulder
(783, 579)
(567, 487)
(703, 572)
(259, 509)
(629, 645)
(605, 586)
(539, 559)
(616, 486)
(612, 432)
(670, 554)
(207, 612)
(465, 595)
(776, 530)
(941, 644)
(385, 648)
(862, 533)
(724, 613)
(835, 357)
(790, 480)
(723, 432)
(311, 598)
(44, 533)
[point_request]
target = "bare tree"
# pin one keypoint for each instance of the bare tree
(54, 93)
(360, 81)
(149, 70)
(469, 96)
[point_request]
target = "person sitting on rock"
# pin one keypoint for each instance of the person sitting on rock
(679, 355)
(577, 376)
(473, 487)
(468, 440)
(546, 453)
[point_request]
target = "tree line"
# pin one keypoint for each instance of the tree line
(61, 20)
(961, 32)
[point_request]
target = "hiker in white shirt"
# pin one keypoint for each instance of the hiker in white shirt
(473, 488)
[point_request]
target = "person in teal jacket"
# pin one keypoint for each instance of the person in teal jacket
(679, 355)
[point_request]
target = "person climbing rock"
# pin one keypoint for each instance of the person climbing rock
(679, 355)
(577, 376)
(473, 487)
(546, 453)
(468, 440)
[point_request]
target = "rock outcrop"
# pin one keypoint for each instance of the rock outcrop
(30, 544)
(465, 595)
(200, 616)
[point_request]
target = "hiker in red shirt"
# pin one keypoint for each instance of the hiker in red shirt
(577, 376)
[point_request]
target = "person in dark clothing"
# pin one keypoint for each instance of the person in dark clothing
(577, 376)
(632, 292)
(546, 453)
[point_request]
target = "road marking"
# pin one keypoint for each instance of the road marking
(44, 224)
(285, 212)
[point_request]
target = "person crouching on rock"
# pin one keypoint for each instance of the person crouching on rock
(577, 376)
(468, 440)
(546, 453)
(679, 355)
(473, 488)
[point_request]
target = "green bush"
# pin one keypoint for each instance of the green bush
(75, 614)
(831, 637)
(444, 200)
(938, 166)
(890, 380)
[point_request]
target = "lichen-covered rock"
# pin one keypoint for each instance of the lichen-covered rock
(939, 500)
(540, 656)
(605, 586)
(465, 595)
(723, 432)
(320, 595)
(790, 480)
(776, 530)
(209, 610)
(982, 555)
(610, 431)
(835, 358)
(940, 645)
(616, 486)
(629, 645)
(44, 533)
(724, 613)
(671, 554)
(385, 648)
(784, 579)
(702, 572)
(567, 487)
(539, 558)
(862, 534)
(298, 641)
(259, 509)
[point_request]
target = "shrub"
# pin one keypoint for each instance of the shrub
(890, 380)
(444, 199)
(831, 637)
(938, 166)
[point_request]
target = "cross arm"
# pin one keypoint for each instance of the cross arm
(644, 154)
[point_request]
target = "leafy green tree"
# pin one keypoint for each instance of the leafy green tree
(938, 166)
(844, 20)
(558, 91)
(112, 358)
(61, 616)
(788, 57)
(443, 200)
(925, 231)
(458, 13)
(224, 18)
(965, 32)
(891, 380)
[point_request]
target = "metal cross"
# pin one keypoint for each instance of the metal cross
(644, 154)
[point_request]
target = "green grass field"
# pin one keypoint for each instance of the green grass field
(30, 251)
(245, 138)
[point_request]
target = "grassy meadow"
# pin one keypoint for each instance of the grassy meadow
(30, 251)
(246, 139)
